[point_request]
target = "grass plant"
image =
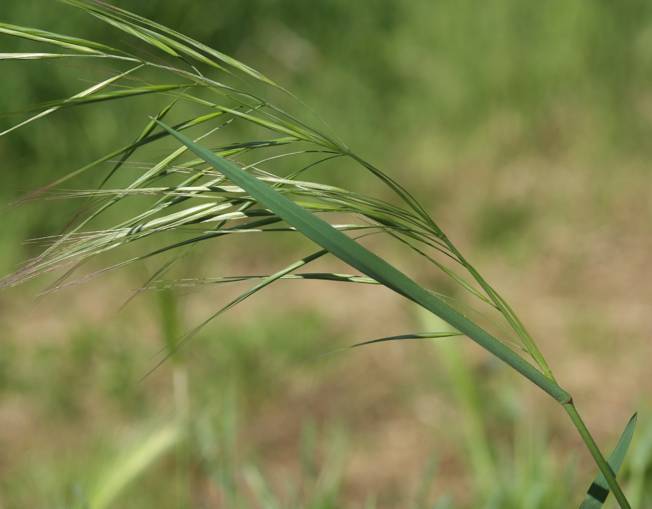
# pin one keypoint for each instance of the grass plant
(229, 152)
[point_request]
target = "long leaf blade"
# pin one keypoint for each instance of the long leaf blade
(402, 337)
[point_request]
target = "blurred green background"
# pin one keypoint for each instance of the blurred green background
(526, 130)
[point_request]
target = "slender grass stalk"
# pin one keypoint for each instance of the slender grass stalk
(597, 493)
(599, 459)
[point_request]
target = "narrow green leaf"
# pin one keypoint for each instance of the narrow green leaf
(400, 337)
(599, 489)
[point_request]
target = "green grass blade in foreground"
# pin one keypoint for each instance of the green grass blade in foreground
(599, 490)
(368, 263)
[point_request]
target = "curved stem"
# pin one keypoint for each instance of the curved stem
(599, 459)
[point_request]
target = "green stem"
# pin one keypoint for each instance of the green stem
(599, 459)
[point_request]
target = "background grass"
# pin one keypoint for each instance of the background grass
(524, 130)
